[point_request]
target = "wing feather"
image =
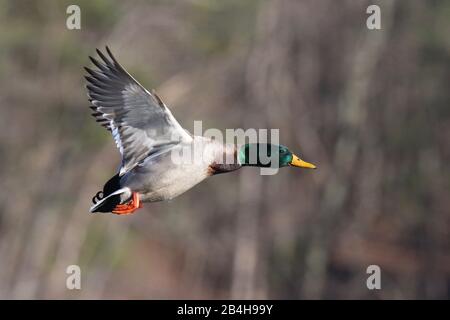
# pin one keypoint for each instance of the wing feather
(138, 120)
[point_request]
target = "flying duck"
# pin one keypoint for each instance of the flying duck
(153, 144)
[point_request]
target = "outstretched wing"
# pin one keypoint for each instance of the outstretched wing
(139, 121)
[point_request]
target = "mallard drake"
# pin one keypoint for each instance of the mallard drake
(148, 136)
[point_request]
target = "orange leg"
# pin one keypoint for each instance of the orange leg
(130, 207)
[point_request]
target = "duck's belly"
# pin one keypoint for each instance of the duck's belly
(172, 184)
(164, 181)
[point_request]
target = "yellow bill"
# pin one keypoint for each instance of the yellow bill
(297, 162)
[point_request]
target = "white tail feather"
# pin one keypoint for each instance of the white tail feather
(120, 191)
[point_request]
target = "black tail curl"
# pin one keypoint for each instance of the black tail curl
(112, 185)
(98, 196)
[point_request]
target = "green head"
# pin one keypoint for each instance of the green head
(270, 155)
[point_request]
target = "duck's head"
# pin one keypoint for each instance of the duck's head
(270, 155)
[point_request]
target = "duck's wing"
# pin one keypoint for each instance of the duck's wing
(140, 123)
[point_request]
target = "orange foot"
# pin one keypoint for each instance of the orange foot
(129, 207)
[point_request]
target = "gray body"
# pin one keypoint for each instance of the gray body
(163, 177)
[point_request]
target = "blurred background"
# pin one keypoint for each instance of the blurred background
(370, 108)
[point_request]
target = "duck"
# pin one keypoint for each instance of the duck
(153, 145)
